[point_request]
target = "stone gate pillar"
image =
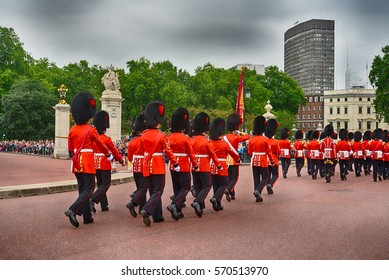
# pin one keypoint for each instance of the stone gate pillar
(62, 120)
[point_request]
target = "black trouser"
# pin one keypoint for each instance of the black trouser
(367, 165)
(386, 170)
(285, 163)
(350, 164)
(261, 177)
(202, 186)
(343, 167)
(139, 182)
(358, 163)
(309, 166)
(181, 182)
(86, 185)
(315, 166)
(377, 168)
(156, 186)
(219, 184)
(328, 166)
(103, 183)
(233, 175)
(299, 164)
(273, 174)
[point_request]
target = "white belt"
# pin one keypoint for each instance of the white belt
(99, 154)
(258, 154)
(137, 156)
(327, 149)
(202, 156)
(180, 154)
(84, 150)
(221, 159)
(155, 154)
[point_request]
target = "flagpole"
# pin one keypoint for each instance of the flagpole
(239, 110)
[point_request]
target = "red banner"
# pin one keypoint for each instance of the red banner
(240, 98)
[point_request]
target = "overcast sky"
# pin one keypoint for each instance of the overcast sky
(191, 33)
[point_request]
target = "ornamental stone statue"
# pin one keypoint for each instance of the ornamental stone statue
(110, 80)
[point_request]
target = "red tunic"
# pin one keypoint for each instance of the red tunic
(376, 149)
(358, 150)
(313, 149)
(327, 147)
(86, 159)
(343, 150)
(286, 148)
(385, 150)
(275, 150)
(366, 147)
(183, 151)
(135, 154)
(101, 161)
(259, 150)
(299, 148)
(234, 140)
(222, 150)
(204, 152)
(157, 162)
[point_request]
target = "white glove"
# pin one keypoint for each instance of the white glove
(177, 168)
(110, 158)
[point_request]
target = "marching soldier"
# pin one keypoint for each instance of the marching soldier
(343, 152)
(271, 128)
(385, 150)
(358, 152)
(82, 137)
(327, 147)
(366, 147)
(377, 154)
(286, 149)
(233, 139)
(219, 176)
(259, 150)
(183, 151)
(102, 164)
(204, 152)
(299, 148)
(313, 149)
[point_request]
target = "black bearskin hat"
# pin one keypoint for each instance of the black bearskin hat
(180, 120)
(83, 107)
(322, 136)
(259, 125)
(377, 133)
(357, 136)
(298, 135)
(329, 130)
(139, 124)
(101, 121)
(350, 136)
(309, 135)
(154, 113)
(217, 128)
(334, 135)
(343, 133)
(271, 128)
(284, 134)
(315, 134)
(385, 136)
(367, 135)
(201, 123)
(233, 122)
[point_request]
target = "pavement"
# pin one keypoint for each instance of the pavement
(304, 219)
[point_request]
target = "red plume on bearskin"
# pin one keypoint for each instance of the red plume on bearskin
(101, 121)
(154, 113)
(284, 134)
(201, 123)
(180, 120)
(217, 128)
(83, 107)
(259, 125)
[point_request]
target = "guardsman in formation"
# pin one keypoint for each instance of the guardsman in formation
(366, 147)
(135, 154)
(358, 152)
(270, 132)
(102, 164)
(308, 155)
(327, 147)
(82, 137)
(377, 154)
(222, 149)
(299, 148)
(233, 138)
(286, 149)
(343, 150)
(350, 139)
(322, 136)
(183, 151)
(313, 149)
(259, 150)
(204, 152)
(385, 150)
(155, 144)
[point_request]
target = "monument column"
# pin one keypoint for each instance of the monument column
(62, 121)
(111, 101)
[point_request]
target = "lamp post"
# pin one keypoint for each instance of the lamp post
(247, 94)
(62, 93)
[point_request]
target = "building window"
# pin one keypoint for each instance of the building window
(316, 99)
(310, 99)
(298, 117)
(360, 99)
(346, 125)
(304, 109)
(330, 99)
(338, 99)
(368, 99)
(320, 108)
(368, 125)
(368, 110)
(338, 110)
(331, 111)
(359, 125)
(303, 117)
(314, 116)
(359, 110)
(321, 98)
(337, 125)
(345, 110)
(345, 100)
(309, 108)
(314, 108)
(309, 117)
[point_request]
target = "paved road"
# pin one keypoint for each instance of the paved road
(304, 219)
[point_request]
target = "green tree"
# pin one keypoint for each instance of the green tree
(379, 78)
(28, 112)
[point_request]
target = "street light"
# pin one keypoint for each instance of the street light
(247, 94)
(62, 93)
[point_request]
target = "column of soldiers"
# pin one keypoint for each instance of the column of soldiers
(203, 156)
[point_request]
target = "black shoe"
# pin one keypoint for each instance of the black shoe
(131, 206)
(380, 178)
(269, 189)
(298, 174)
(72, 218)
(180, 215)
(232, 196)
(328, 178)
(220, 206)
(160, 220)
(92, 206)
(193, 191)
(375, 180)
(258, 197)
(228, 197)
(284, 175)
(88, 221)
(172, 197)
(146, 218)
(197, 208)
(215, 205)
(104, 209)
(173, 211)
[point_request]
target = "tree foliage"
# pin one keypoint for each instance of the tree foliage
(379, 78)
